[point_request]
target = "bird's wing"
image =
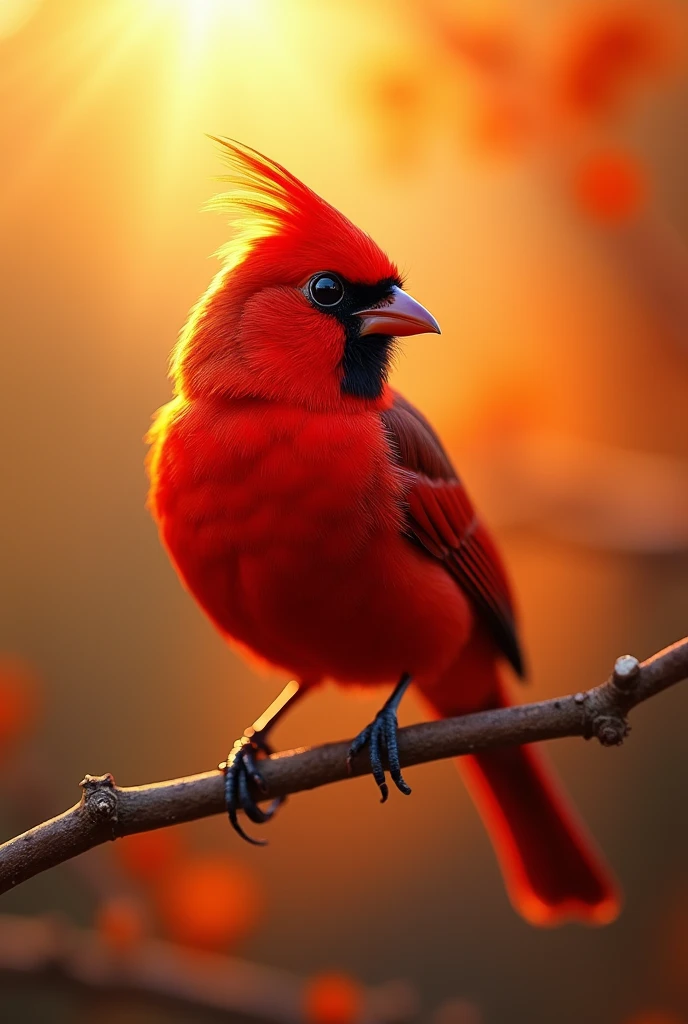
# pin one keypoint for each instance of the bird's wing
(442, 520)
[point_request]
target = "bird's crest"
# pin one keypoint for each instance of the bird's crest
(263, 197)
(265, 200)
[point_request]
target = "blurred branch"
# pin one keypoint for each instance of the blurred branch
(49, 948)
(584, 492)
(53, 950)
(108, 812)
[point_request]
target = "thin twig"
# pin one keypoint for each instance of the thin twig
(108, 812)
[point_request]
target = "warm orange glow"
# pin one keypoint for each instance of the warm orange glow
(333, 999)
(147, 855)
(209, 901)
(610, 187)
(492, 49)
(120, 922)
(19, 700)
(612, 51)
(501, 127)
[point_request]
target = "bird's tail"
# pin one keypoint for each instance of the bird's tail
(551, 868)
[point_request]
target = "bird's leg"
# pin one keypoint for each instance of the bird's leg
(241, 767)
(381, 737)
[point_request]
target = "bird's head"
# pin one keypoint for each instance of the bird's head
(306, 307)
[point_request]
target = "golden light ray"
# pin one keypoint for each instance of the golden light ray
(210, 42)
(56, 59)
(14, 14)
(184, 79)
(202, 54)
(199, 16)
(26, 171)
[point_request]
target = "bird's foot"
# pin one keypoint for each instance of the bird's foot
(240, 770)
(381, 737)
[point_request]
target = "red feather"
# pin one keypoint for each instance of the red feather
(442, 519)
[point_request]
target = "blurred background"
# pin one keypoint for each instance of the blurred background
(525, 163)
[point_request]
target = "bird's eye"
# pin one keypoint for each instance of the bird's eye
(326, 290)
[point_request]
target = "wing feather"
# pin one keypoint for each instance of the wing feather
(442, 520)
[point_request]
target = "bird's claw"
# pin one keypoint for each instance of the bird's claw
(381, 737)
(241, 770)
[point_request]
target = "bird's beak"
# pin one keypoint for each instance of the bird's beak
(400, 316)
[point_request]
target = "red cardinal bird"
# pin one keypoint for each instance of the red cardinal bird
(316, 518)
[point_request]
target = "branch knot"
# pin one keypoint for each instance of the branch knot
(99, 798)
(611, 730)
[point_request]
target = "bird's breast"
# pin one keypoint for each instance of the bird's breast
(278, 497)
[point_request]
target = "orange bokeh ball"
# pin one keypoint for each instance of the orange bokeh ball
(208, 901)
(333, 999)
(121, 923)
(500, 127)
(19, 698)
(147, 855)
(610, 187)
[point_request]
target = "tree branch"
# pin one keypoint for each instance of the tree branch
(108, 812)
